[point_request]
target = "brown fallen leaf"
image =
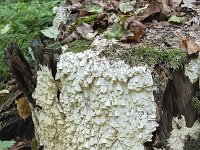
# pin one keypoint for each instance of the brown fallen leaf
(101, 22)
(71, 37)
(23, 107)
(160, 25)
(111, 6)
(135, 30)
(83, 29)
(155, 6)
(175, 3)
(189, 45)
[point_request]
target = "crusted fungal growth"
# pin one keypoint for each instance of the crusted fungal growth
(180, 133)
(192, 69)
(103, 104)
(48, 121)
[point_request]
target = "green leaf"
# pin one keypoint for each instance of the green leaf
(175, 19)
(116, 31)
(95, 8)
(51, 32)
(126, 6)
(5, 29)
(4, 145)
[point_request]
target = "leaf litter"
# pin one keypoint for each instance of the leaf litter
(137, 23)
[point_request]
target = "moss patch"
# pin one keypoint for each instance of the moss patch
(196, 104)
(174, 58)
(79, 45)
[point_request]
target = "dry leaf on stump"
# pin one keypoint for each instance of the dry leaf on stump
(23, 107)
(189, 45)
(135, 30)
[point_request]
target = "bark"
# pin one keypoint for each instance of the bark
(21, 70)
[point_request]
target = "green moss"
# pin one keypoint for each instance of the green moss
(79, 45)
(196, 104)
(192, 143)
(34, 144)
(174, 58)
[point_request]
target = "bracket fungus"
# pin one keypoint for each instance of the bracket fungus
(103, 104)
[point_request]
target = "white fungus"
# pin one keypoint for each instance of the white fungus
(103, 104)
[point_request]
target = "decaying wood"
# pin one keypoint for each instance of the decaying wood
(17, 128)
(21, 70)
(174, 101)
(45, 56)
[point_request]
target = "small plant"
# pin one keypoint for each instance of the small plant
(22, 21)
(4, 145)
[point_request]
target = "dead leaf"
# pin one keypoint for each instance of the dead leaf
(160, 25)
(128, 37)
(71, 37)
(83, 29)
(74, 5)
(194, 21)
(189, 45)
(23, 107)
(111, 6)
(101, 22)
(135, 30)
(191, 5)
(155, 6)
(176, 3)
(188, 3)
(73, 1)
